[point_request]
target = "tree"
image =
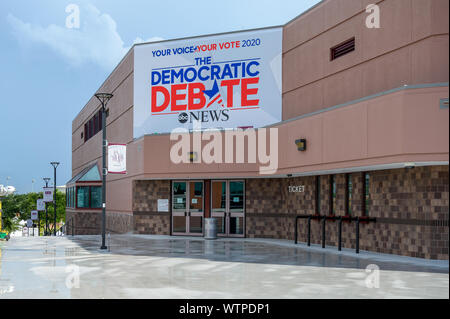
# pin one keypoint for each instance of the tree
(21, 205)
(10, 225)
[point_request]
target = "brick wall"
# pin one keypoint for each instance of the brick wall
(89, 222)
(83, 222)
(146, 218)
(411, 207)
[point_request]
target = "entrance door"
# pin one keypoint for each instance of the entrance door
(227, 205)
(187, 208)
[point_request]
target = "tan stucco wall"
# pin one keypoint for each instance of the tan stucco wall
(410, 48)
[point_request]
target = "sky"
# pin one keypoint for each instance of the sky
(48, 71)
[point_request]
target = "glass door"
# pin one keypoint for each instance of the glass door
(219, 205)
(236, 209)
(195, 212)
(179, 193)
(187, 208)
(227, 206)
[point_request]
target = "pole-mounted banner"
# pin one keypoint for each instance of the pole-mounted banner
(117, 158)
(48, 194)
(34, 215)
(40, 204)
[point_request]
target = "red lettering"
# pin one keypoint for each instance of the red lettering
(229, 84)
(245, 92)
(196, 95)
(178, 97)
(165, 92)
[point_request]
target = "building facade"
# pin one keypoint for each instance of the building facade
(371, 106)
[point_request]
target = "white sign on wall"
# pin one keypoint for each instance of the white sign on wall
(163, 205)
(48, 194)
(117, 158)
(224, 81)
(40, 204)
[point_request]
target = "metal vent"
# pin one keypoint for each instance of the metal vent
(342, 49)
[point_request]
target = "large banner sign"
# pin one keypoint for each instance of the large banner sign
(223, 81)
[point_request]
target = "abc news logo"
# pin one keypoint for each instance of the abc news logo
(183, 117)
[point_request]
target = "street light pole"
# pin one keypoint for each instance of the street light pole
(104, 98)
(46, 180)
(55, 165)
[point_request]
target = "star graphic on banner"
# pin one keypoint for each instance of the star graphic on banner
(214, 95)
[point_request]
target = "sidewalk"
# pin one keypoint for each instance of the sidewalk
(144, 266)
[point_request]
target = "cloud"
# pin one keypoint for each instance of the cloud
(152, 39)
(96, 41)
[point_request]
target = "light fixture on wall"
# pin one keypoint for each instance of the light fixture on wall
(410, 165)
(301, 144)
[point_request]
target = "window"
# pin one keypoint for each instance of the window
(85, 132)
(236, 200)
(318, 195)
(219, 197)
(95, 120)
(366, 194)
(93, 126)
(179, 196)
(89, 196)
(83, 196)
(91, 175)
(96, 196)
(80, 196)
(70, 197)
(100, 120)
(348, 194)
(342, 49)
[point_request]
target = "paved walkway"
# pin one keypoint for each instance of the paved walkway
(145, 266)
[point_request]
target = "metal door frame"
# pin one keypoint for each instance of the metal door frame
(227, 214)
(187, 213)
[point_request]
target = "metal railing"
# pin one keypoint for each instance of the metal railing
(323, 220)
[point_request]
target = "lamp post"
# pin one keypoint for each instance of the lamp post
(104, 98)
(55, 165)
(46, 180)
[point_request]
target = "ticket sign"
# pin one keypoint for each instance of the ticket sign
(48, 194)
(34, 215)
(223, 81)
(40, 204)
